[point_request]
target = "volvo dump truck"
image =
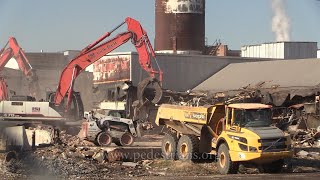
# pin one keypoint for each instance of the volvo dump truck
(236, 133)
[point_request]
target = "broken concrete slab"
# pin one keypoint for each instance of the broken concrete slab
(14, 138)
(41, 137)
(99, 156)
(302, 153)
(129, 164)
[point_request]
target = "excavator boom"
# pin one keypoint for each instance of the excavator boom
(94, 52)
(15, 51)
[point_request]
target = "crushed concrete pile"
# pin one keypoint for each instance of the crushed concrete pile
(84, 163)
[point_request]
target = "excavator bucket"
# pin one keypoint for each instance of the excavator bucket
(149, 89)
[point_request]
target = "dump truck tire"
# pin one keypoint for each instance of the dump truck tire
(104, 139)
(188, 147)
(225, 165)
(275, 167)
(169, 147)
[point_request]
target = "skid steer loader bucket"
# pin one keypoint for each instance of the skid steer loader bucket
(149, 89)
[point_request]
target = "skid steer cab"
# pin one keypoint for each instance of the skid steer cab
(104, 129)
(237, 134)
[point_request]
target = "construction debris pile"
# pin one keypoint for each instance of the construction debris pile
(306, 138)
(75, 158)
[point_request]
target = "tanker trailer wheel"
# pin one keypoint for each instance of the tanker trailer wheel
(169, 146)
(188, 147)
(225, 165)
(104, 139)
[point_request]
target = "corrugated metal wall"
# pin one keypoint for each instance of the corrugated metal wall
(281, 50)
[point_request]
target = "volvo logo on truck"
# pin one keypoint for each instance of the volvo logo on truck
(194, 115)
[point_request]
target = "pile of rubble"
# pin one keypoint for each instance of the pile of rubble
(62, 161)
(306, 138)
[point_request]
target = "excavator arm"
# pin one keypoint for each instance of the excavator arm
(94, 52)
(15, 51)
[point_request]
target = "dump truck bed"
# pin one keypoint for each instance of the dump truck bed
(186, 118)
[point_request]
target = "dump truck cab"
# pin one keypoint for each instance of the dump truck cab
(236, 133)
(250, 137)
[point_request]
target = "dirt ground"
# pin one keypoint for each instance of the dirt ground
(71, 162)
(73, 158)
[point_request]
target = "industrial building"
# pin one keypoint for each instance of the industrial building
(318, 53)
(281, 50)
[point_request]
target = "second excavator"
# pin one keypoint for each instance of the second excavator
(15, 51)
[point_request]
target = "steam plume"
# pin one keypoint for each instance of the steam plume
(280, 21)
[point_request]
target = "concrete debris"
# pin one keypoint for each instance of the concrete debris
(99, 156)
(314, 154)
(74, 158)
(115, 155)
(88, 154)
(64, 155)
(302, 153)
(317, 143)
(305, 138)
(158, 173)
(129, 164)
(147, 163)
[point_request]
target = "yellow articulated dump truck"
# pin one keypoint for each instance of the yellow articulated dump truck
(236, 133)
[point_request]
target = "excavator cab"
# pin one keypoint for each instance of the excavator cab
(75, 112)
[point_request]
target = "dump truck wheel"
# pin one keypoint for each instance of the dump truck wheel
(169, 146)
(126, 139)
(188, 147)
(225, 165)
(275, 167)
(104, 139)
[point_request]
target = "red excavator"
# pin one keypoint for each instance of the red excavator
(15, 51)
(92, 53)
(65, 104)
(95, 51)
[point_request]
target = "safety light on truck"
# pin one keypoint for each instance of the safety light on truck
(237, 138)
